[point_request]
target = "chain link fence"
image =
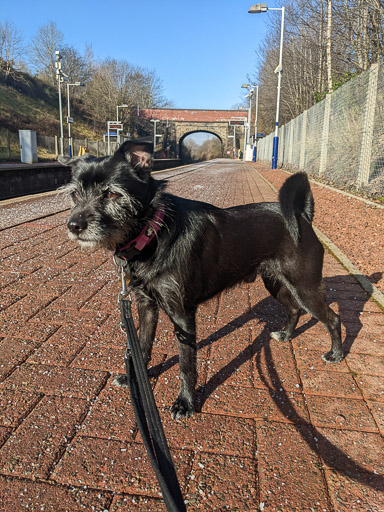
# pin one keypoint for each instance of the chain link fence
(341, 138)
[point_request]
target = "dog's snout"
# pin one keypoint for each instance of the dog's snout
(77, 224)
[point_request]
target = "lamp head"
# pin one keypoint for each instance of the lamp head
(258, 8)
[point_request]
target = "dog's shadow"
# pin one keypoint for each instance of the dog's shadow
(351, 299)
(350, 304)
(342, 291)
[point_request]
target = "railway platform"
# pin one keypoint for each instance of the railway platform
(277, 429)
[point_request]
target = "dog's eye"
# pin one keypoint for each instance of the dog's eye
(75, 196)
(111, 195)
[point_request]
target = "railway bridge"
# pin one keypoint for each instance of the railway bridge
(173, 125)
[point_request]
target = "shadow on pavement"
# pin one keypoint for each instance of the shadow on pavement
(273, 314)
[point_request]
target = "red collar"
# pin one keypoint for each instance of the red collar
(146, 235)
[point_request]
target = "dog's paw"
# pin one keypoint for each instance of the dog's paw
(332, 357)
(120, 381)
(280, 336)
(182, 408)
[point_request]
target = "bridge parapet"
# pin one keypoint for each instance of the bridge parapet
(178, 123)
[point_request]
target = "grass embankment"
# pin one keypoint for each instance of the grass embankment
(27, 103)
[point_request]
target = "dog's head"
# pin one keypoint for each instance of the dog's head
(110, 195)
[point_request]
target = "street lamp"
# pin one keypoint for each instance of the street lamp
(256, 9)
(256, 116)
(255, 88)
(69, 118)
(60, 79)
(249, 95)
(245, 134)
(117, 110)
(234, 142)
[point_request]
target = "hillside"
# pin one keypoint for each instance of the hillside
(27, 103)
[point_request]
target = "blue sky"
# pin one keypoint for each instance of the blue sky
(202, 50)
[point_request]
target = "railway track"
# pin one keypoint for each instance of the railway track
(47, 204)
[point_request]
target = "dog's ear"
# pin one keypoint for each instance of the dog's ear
(76, 163)
(73, 161)
(139, 155)
(65, 160)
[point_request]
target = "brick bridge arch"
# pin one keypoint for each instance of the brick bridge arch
(187, 130)
(175, 124)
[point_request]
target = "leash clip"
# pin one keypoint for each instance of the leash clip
(124, 279)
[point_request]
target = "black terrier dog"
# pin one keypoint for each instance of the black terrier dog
(181, 253)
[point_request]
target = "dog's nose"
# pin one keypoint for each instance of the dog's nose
(77, 224)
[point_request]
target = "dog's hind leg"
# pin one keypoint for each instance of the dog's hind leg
(185, 330)
(148, 318)
(313, 299)
(284, 296)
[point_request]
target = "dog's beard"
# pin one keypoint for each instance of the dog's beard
(85, 243)
(97, 237)
(109, 227)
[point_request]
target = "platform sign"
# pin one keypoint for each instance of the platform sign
(113, 125)
(237, 121)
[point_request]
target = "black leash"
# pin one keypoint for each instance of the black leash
(146, 412)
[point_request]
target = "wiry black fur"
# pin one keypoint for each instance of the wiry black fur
(200, 250)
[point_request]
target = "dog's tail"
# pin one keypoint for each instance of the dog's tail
(296, 201)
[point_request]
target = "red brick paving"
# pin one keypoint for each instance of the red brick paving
(359, 238)
(278, 430)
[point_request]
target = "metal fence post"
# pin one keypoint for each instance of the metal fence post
(290, 147)
(282, 145)
(369, 122)
(325, 135)
(303, 140)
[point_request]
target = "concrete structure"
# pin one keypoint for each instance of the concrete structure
(176, 124)
(28, 146)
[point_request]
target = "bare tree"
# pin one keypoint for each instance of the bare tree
(11, 48)
(43, 46)
(326, 42)
(75, 65)
(117, 82)
(364, 21)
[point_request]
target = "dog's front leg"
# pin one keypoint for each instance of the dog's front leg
(185, 330)
(148, 318)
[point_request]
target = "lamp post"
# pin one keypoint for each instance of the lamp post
(117, 110)
(60, 79)
(247, 132)
(234, 142)
(255, 88)
(256, 9)
(256, 116)
(250, 96)
(69, 118)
